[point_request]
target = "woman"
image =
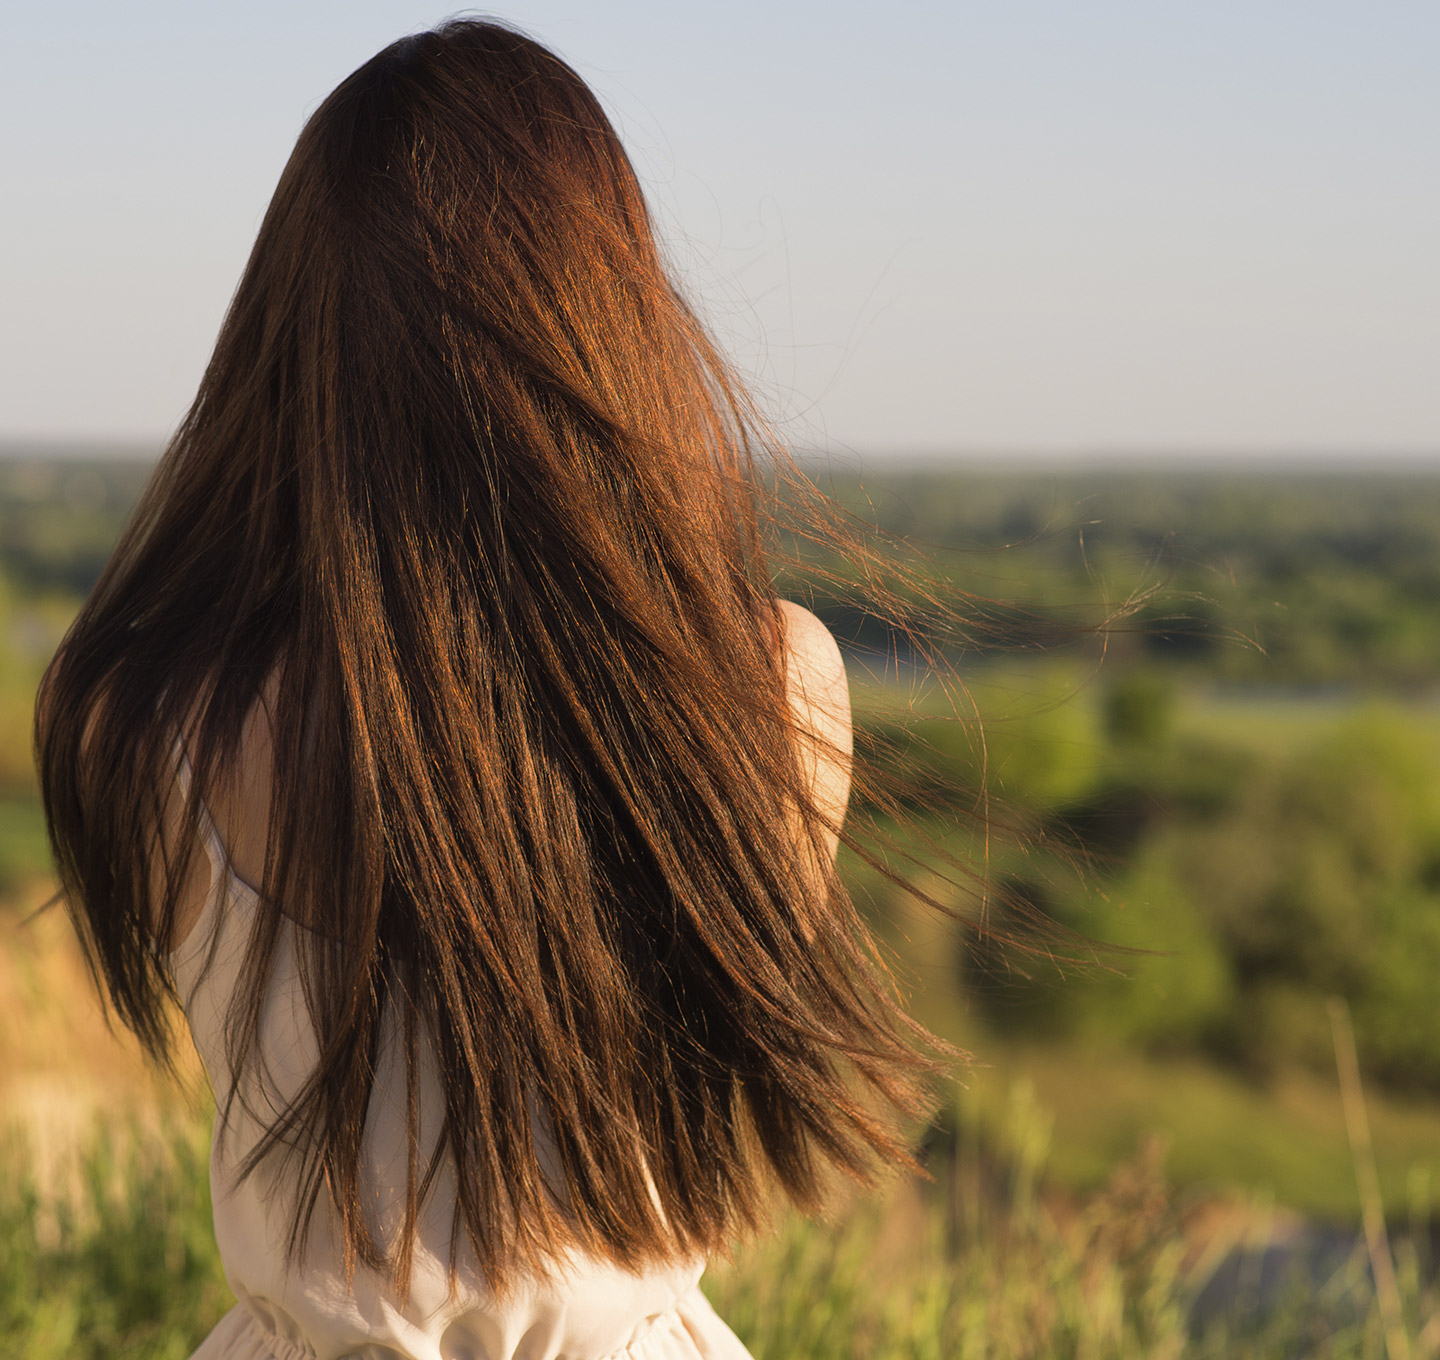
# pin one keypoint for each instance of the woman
(435, 737)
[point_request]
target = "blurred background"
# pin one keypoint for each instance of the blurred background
(1112, 312)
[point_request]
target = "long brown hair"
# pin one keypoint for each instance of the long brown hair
(469, 484)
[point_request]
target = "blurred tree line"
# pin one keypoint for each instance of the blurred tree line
(1275, 578)
(1258, 882)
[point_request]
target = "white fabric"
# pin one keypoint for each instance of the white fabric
(589, 1310)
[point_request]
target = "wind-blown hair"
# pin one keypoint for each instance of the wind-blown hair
(469, 488)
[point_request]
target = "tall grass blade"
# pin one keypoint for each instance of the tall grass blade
(1357, 1125)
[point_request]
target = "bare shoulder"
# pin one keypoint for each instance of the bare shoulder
(812, 655)
(810, 647)
(819, 697)
(815, 680)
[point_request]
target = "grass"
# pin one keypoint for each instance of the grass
(121, 1261)
(982, 1262)
(1285, 1140)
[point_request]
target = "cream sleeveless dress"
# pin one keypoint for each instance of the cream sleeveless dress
(587, 1310)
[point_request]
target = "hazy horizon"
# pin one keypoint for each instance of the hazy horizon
(1038, 461)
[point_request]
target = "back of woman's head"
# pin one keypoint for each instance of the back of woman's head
(457, 292)
(466, 495)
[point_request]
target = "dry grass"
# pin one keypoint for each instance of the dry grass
(63, 1068)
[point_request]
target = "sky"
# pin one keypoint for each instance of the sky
(933, 228)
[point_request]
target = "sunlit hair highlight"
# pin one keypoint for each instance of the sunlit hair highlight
(469, 487)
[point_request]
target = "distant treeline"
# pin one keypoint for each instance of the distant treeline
(60, 517)
(1302, 578)
(1297, 578)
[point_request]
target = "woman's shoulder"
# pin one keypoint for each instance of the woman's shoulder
(815, 674)
(809, 644)
(819, 697)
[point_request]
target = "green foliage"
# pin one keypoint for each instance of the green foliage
(1030, 737)
(1261, 887)
(1140, 709)
(1253, 882)
(1041, 745)
(24, 846)
(1253, 875)
(124, 1265)
(1176, 994)
(1321, 880)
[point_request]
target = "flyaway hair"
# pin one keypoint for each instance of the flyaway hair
(469, 494)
